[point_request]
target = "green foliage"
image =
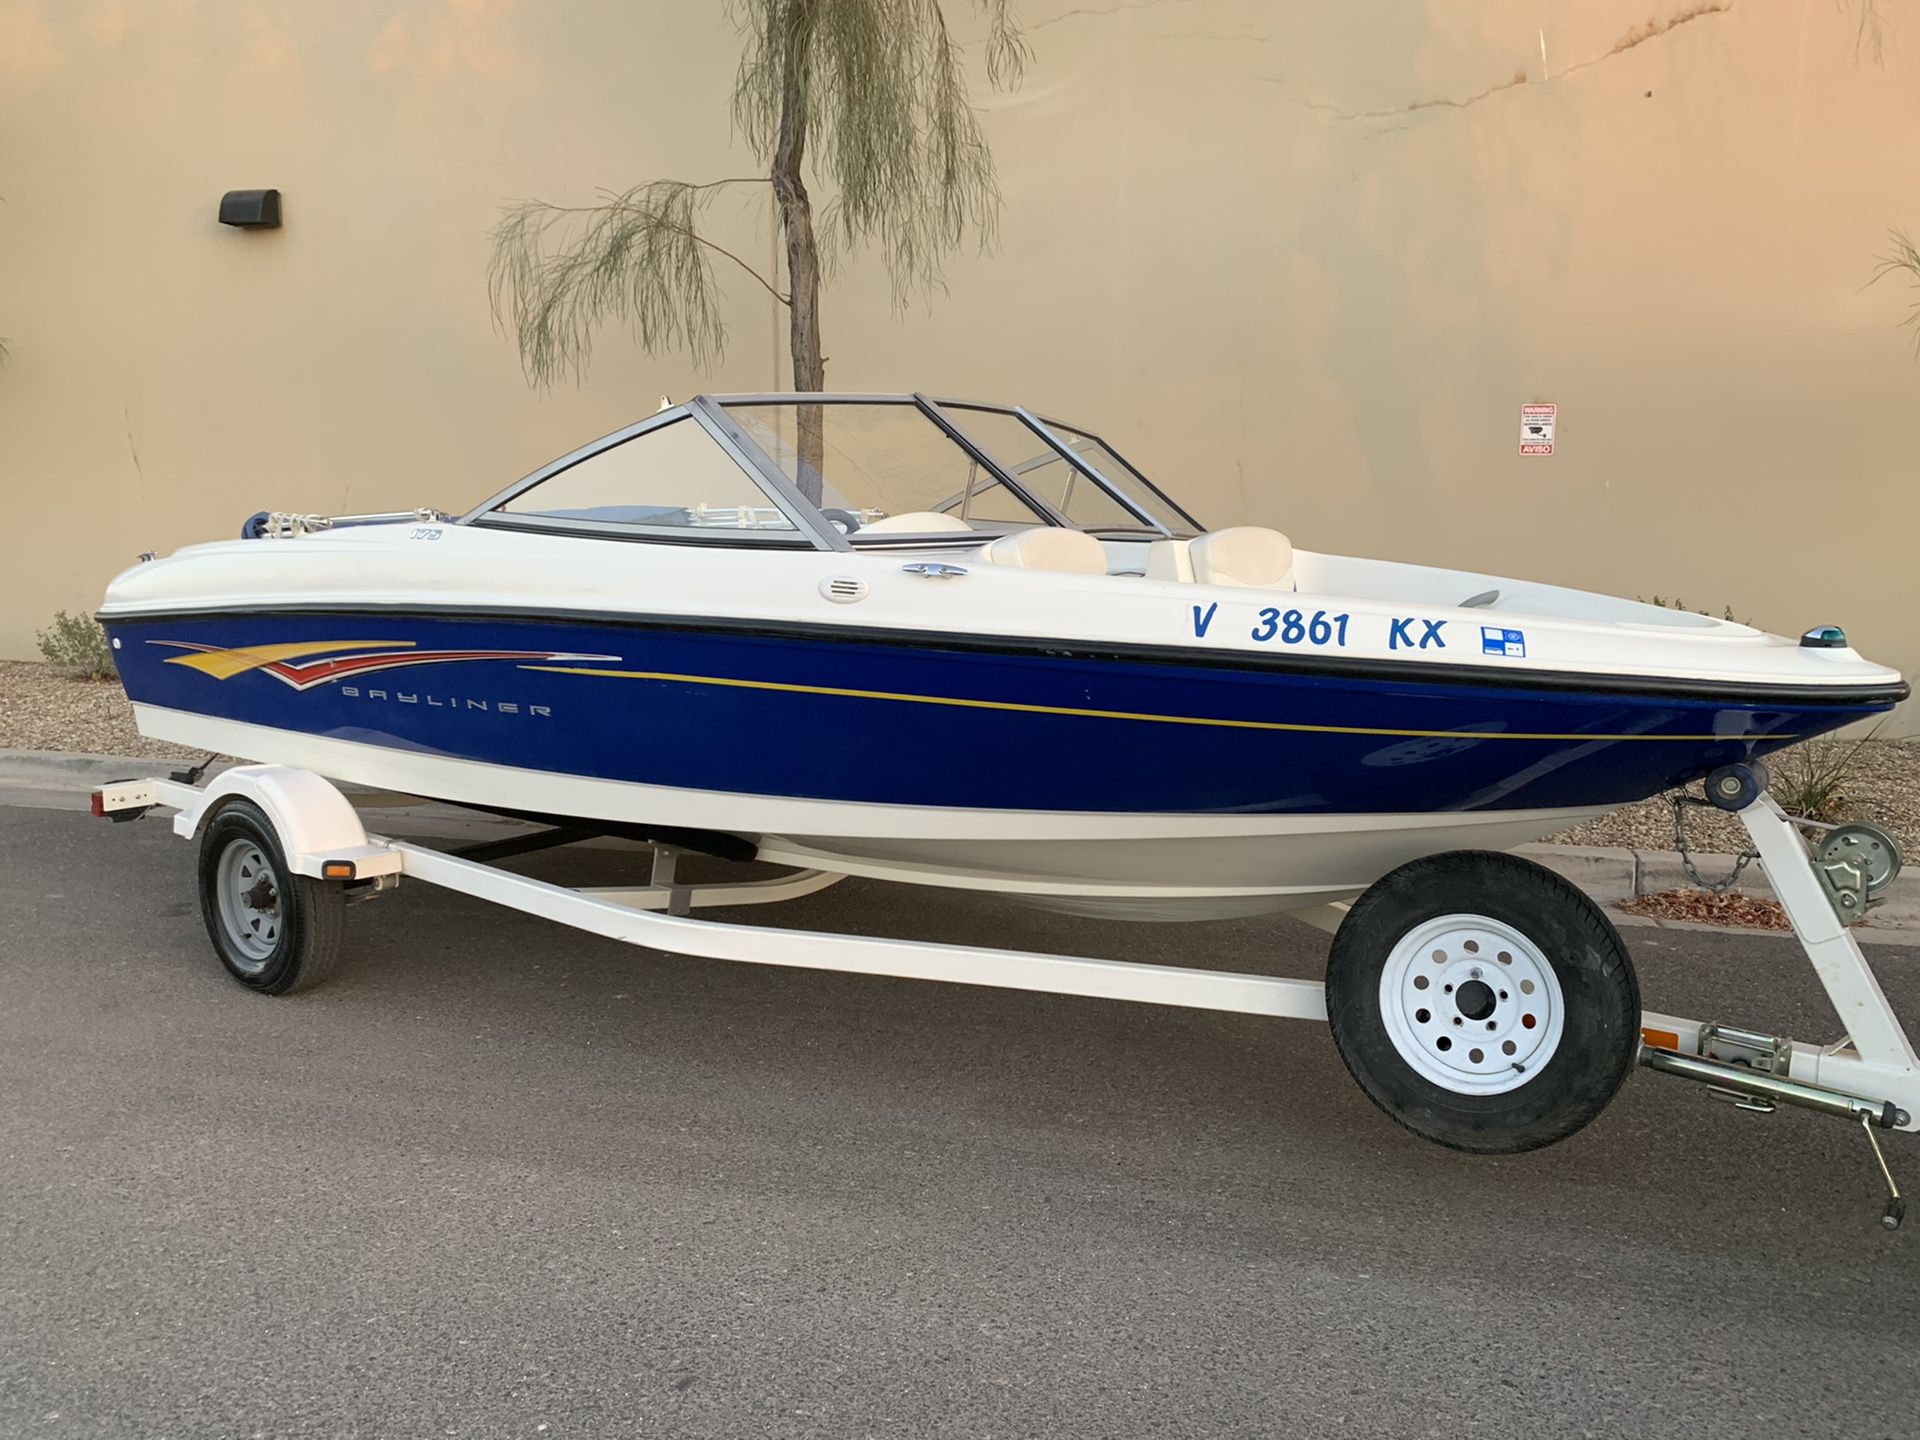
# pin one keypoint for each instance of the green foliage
(872, 92)
(1903, 258)
(1726, 611)
(77, 645)
(637, 258)
(1811, 780)
(885, 100)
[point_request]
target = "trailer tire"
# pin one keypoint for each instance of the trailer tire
(276, 931)
(1483, 1002)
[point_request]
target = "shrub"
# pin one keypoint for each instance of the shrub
(1812, 779)
(77, 645)
(1726, 611)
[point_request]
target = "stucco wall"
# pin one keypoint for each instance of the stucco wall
(1306, 262)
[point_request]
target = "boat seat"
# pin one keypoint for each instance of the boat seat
(1247, 556)
(1168, 560)
(916, 522)
(1046, 547)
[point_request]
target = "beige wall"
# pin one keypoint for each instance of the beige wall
(1240, 236)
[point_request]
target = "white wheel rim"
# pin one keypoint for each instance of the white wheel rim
(249, 898)
(1492, 1007)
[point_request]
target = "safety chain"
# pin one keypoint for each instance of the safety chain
(1681, 803)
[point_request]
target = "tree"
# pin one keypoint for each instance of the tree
(868, 97)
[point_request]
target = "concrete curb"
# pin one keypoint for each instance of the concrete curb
(1610, 875)
(57, 780)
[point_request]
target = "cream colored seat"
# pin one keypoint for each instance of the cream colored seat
(1247, 556)
(1046, 548)
(916, 522)
(1168, 560)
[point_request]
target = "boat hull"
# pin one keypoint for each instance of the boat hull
(918, 724)
(1100, 779)
(1106, 863)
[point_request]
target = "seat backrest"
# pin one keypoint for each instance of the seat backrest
(1168, 560)
(1045, 547)
(916, 522)
(1247, 556)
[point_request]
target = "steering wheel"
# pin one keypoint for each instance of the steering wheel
(845, 519)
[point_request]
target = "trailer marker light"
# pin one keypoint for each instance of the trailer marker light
(337, 870)
(1659, 1039)
(97, 803)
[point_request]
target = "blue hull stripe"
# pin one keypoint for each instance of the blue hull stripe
(856, 720)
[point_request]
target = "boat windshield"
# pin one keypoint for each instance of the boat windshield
(883, 463)
(898, 464)
(1072, 471)
(1141, 492)
(838, 471)
(671, 477)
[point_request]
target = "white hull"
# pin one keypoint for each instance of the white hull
(1140, 866)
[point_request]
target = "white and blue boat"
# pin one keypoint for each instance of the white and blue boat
(949, 643)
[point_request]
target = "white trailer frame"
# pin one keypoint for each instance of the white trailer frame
(1872, 1075)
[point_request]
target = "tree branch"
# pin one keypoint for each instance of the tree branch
(558, 273)
(1903, 258)
(762, 280)
(616, 197)
(617, 201)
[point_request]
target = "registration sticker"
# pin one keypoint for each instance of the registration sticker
(1496, 641)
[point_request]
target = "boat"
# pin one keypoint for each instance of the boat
(960, 644)
(950, 643)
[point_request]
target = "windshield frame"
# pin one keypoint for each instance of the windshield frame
(1083, 467)
(1132, 469)
(811, 528)
(1043, 513)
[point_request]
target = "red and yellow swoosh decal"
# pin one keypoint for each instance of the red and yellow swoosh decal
(288, 663)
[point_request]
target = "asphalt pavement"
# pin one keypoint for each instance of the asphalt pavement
(500, 1179)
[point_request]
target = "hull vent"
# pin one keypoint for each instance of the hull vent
(843, 589)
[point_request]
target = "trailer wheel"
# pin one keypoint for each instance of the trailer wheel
(274, 930)
(1483, 1002)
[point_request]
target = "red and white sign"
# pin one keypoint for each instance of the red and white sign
(1536, 428)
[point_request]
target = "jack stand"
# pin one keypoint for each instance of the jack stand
(1896, 1210)
(1873, 1077)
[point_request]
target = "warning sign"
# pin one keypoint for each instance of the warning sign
(1536, 428)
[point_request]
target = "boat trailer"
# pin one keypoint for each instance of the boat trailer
(1869, 1077)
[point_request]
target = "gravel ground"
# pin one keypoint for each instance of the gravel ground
(1883, 787)
(1704, 908)
(41, 709)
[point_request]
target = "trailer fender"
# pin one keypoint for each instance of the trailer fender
(319, 831)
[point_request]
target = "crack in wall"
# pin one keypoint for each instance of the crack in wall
(139, 474)
(1652, 30)
(1220, 39)
(1096, 11)
(1414, 108)
(1634, 38)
